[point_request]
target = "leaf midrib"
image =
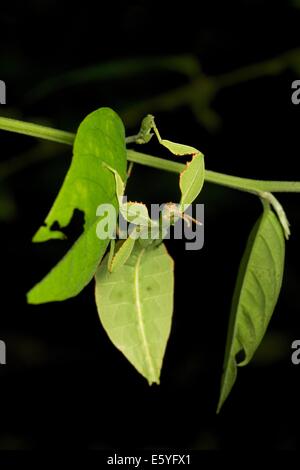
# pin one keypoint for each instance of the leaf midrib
(141, 324)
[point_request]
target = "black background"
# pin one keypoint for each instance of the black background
(64, 384)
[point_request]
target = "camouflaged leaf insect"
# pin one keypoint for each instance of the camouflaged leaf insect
(122, 254)
(145, 135)
(173, 212)
(191, 179)
(134, 212)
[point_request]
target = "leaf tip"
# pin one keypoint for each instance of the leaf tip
(44, 234)
(219, 406)
(31, 298)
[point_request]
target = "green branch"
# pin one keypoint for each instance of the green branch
(36, 130)
(55, 135)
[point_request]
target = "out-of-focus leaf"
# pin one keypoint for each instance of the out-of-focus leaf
(8, 208)
(120, 69)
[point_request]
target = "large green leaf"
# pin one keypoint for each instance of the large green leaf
(256, 293)
(135, 305)
(88, 183)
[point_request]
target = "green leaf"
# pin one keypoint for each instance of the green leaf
(135, 305)
(88, 183)
(191, 180)
(256, 293)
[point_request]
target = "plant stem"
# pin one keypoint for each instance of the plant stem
(271, 199)
(252, 185)
(235, 182)
(36, 130)
(43, 132)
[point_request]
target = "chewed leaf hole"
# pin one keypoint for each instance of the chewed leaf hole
(74, 229)
(240, 357)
